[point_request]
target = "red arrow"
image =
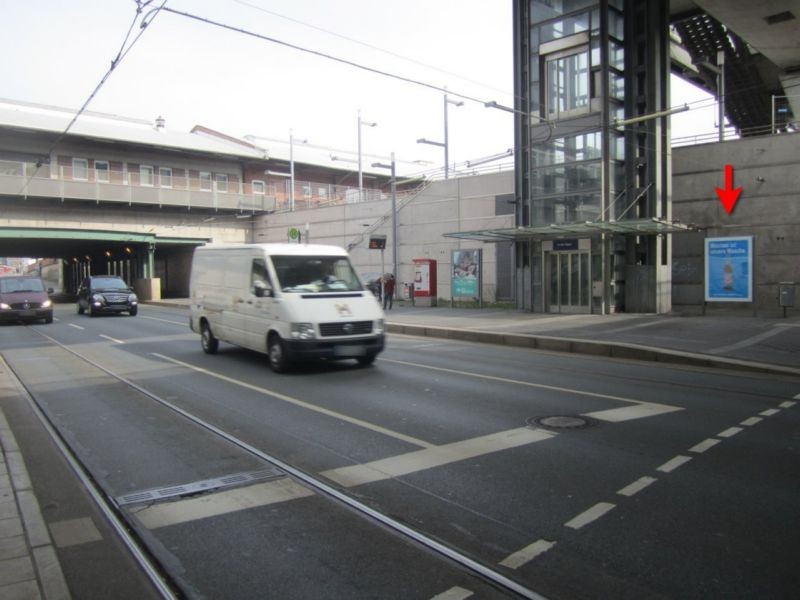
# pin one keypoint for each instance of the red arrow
(729, 195)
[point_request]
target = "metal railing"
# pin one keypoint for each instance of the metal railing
(27, 179)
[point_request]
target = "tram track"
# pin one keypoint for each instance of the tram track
(160, 578)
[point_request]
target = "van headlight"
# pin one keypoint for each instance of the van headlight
(378, 326)
(132, 299)
(303, 331)
(47, 304)
(4, 306)
(98, 299)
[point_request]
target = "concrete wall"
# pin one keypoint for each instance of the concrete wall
(462, 204)
(768, 171)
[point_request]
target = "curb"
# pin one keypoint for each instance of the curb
(46, 567)
(592, 348)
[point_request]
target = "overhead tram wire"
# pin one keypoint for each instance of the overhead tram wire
(370, 46)
(121, 54)
(327, 56)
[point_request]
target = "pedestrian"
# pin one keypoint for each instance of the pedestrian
(388, 291)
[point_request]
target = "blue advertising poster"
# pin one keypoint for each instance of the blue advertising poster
(466, 273)
(729, 269)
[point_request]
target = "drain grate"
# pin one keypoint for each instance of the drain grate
(199, 487)
(561, 422)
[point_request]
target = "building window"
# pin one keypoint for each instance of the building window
(101, 171)
(307, 191)
(567, 84)
(80, 169)
(165, 177)
(222, 183)
(205, 181)
(145, 175)
(258, 186)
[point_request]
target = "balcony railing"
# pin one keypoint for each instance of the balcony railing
(25, 179)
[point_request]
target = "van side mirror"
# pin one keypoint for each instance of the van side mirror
(50, 290)
(262, 290)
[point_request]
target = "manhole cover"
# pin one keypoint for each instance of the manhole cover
(559, 422)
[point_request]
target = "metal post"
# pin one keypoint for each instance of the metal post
(394, 224)
(446, 153)
(721, 93)
(291, 171)
(360, 174)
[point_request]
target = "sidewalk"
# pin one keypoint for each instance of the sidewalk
(29, 566)
(761, 344)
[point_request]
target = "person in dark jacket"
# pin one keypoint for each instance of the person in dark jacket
(388, 291)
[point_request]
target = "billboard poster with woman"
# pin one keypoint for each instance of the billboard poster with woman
(466, 278)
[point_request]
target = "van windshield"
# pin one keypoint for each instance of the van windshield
(303, 274)
(21, 284)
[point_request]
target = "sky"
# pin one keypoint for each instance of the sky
(56, 52)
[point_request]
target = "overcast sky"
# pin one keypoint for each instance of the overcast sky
(55, 52)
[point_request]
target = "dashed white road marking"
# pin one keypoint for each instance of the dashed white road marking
(789, 403)
(797, 397)
(751, 421)
(454, 593)
(184, 323)
(637, 486)
(674, 463)
(704, 445)
(115, 340)
(527, 554)
(730, 432)
(76, 326)
(769, 412)
(589, 516)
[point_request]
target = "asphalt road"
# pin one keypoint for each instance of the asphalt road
(657, 482)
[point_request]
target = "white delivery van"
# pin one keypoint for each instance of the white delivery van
(293, 302)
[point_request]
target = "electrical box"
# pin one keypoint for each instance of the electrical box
(786, 293)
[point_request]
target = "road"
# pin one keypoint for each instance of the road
(565, 476)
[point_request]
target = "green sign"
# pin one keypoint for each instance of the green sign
(294, 235)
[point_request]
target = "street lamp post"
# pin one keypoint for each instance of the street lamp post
(360, 173)
(394, 213)
(291, 168)
(445, 144)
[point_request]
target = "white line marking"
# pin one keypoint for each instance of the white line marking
(420, 460)
(527, 554)
(730, 432)
(586, 517)
(115, 340)
(751, 421)
(75, 326)
(211, 505)
(769, 412)
(797, 397)
(358, 422)
(644, 409)
(674, 463)
(628, 413)
(787, 404)
(637, 486)
(184, 323)
(704, 445)
(454, 593)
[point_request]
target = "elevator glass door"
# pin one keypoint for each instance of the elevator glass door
(569, 282)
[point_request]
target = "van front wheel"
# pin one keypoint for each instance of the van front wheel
(207, 339)
(277, 354)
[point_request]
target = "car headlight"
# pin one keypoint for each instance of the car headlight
(303, 331)
(4, 306)
(98, 298)
(47, 304)
(379, 326)
(133, 299)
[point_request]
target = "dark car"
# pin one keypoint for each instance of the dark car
(24, 298)
(106, 294)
